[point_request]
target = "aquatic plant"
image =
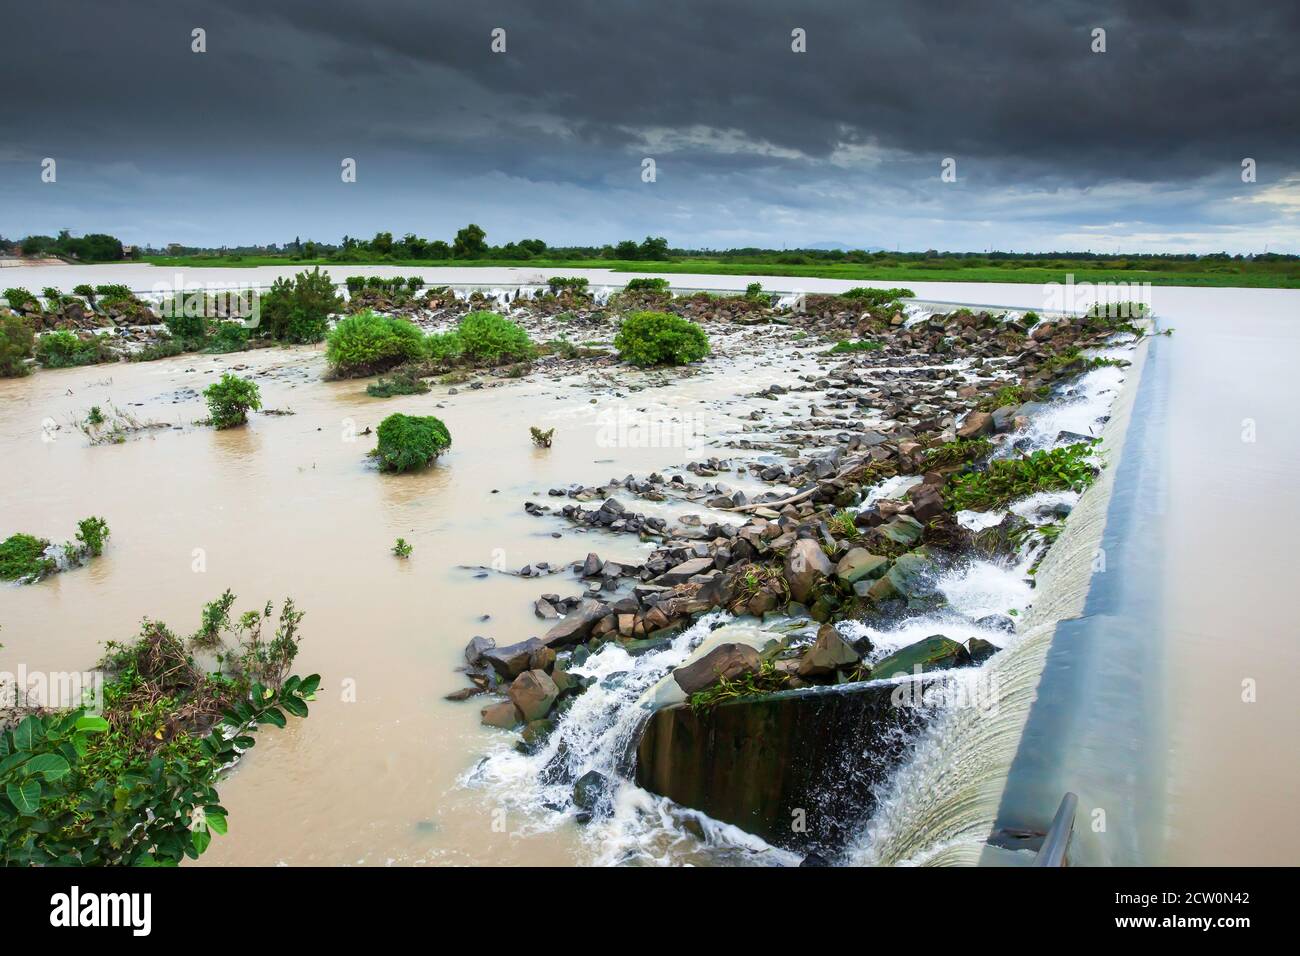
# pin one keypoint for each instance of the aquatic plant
(92, 533)
(410, 442)
(660, 338)
(402, 549)
(23, 556)
(401, 383)
(866, 296)
(1067, 468)
(20, 298)
(957, 452)
(542, 439)
(231, 399)
(576, 285)
(367, 342)
(766, 681)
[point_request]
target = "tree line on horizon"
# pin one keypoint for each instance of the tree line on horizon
(470, 243)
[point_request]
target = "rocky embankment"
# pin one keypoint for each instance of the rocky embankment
(906, 424)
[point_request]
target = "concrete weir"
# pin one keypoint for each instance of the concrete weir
(793, 767)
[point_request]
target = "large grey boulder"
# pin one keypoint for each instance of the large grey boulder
(805, 564)
(726, 660)
(576, 625)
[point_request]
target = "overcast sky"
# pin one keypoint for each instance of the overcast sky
(1056, 147)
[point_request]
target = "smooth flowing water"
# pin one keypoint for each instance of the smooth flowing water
(385, 771)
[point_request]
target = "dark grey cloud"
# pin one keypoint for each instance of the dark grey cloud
(771, 143)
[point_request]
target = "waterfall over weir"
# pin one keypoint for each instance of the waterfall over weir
(1073, 694)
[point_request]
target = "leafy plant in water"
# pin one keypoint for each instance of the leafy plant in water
(767, 680)
(410, 442)
(486, 338)
(542, 439)
(1059, 469)
(367, 342)
(16, 340)
(402, 549)
(863, 345)
(23, 556)
(231, 399)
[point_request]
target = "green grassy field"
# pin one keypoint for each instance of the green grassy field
(1231, 273)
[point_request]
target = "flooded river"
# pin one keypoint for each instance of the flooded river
(289, 506)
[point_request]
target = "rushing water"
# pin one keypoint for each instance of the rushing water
(387, 771)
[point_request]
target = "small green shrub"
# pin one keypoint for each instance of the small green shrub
(16, 340)
(442, 348)
(402, 383)
(23, 555)
(959, 452)
(96, 416)
(410, 442)
(367, 342)
(20, 298)
(231, 399)
(84, 290)
(864, 345)
(486, 338)
(227, 337)
(166, 348)
(402, 549)
(92, 532)
(659, 338)
(65, 349)
(646, 285)
(298, 311)
(574, 284)
(542, 439)
(869, 297)
(355, 284)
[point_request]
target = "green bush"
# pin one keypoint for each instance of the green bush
(659, 338)
(646, 285)
(16, 340)
(227, 337)
(190, 330)
(863, 345)
(231, 399)
(867, 296)
(298, 311)
(114, 292)
(486, 338)
(575, 284)
(355, 284)
(83, 789)
(366, 343)
(92, 532)
(165, 348)
(65, 349)
(23, 555)
(85, 291)
(401, 383)
(410, 442)
(20, 298)
(442, 348)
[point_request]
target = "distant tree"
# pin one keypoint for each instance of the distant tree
(627, 249)
(470, 242)
(534, 246)
(654, 247)
(415, 246)
(382, 243)
(438, 250)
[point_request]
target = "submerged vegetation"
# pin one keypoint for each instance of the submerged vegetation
(1065, 468)
(136, 784)
(367, 342)
(16, 342)
(410, 442)
(231, 399)
(27, 558)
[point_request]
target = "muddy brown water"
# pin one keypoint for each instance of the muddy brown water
(289, 507)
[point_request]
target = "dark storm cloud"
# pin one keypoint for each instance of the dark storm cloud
(712, 90)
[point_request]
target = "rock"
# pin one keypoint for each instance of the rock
(576, 625)
(904, 530)
(646, 646)
(534, 735)
(860, 564)
(934, 653)
(591, 567)
(589, 788)
(805, 564)
(501, 714)
(513, 659)
(912, 575)
(533, 693)
(475, 649)
(545, 610)
(465, 693)
(927, 503)
(685, 571)
(997, 622)
(980, 650)
(827, 655)
(976, 425)
(726, 660)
